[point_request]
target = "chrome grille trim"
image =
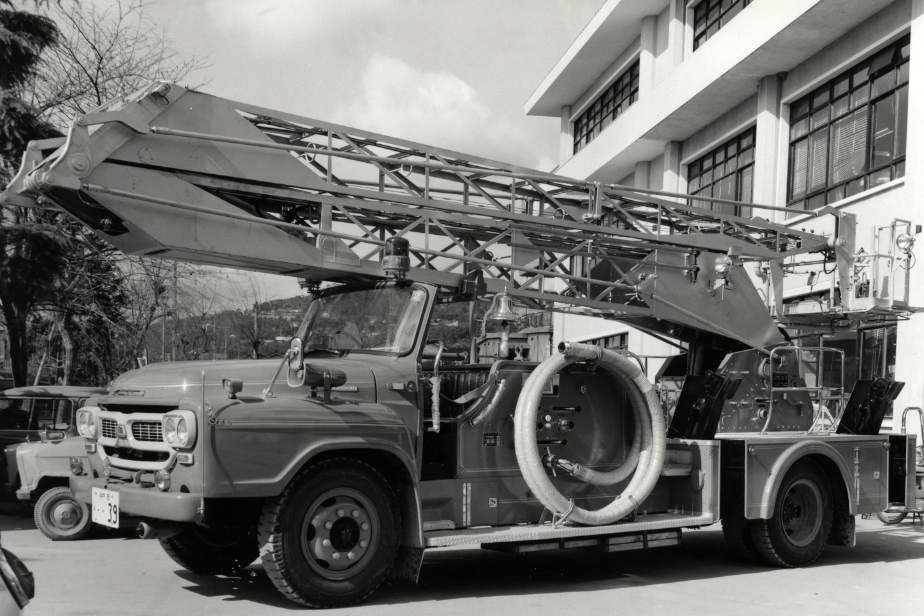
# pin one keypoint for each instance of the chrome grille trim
(133, 438)
(108, 428)
(151, 431)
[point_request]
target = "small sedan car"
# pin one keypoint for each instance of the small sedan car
(38, 435)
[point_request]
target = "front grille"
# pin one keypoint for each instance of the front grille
(108, 428)
(136, 455)
(148, 431)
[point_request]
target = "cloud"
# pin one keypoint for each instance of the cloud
(433, 107)
(279, 23)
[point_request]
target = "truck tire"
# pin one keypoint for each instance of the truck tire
(331, 538)
(208, 551)
(60, 516)
(797, 532)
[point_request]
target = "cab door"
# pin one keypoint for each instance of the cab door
(14, 420)
(14, 429)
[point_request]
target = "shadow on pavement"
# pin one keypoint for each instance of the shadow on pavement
(456, 573)
(15, 515)
(252, 585)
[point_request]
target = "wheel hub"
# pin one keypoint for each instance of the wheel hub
(338, 533)
(801, 512)
(65, 515)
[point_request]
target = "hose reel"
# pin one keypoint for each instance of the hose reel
(646, 453)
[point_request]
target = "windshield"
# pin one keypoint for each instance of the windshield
(379, 320)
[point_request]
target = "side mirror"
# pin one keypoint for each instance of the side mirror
(295, 376)
(232, 386)
(52, 436)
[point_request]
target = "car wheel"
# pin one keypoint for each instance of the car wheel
(332, 537)
(801, 522)
(60, 516)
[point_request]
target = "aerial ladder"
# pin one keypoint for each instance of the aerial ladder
(175, 173)
(180, 174)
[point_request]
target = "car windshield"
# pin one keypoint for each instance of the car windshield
(378, 320)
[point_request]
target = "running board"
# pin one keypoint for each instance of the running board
(560, 535)
(606, 543)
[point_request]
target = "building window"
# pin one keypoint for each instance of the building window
(849, 134)
(709, 16)
(727, 172)
(606, 107)
(614, 341)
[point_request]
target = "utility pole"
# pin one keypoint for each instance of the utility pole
(175, 317)
(256, 331)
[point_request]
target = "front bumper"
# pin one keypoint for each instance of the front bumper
(143, 502)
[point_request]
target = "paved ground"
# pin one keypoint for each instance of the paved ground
(112, 574)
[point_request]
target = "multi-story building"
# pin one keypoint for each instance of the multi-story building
(792, 103)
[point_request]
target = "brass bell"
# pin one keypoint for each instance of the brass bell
(502, 308)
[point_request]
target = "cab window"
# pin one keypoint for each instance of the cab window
(14, 413)
(50, 414)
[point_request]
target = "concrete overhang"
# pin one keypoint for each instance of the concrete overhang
(611, 29)
(767, 38)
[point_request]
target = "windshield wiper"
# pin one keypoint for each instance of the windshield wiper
(337, 352)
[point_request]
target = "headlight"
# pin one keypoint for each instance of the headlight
(722, 264)
(162, 480)
(86, 421)
(180, 429)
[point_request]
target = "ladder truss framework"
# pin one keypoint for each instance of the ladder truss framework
(181, 174)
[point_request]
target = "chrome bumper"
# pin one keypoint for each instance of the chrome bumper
(143, 502)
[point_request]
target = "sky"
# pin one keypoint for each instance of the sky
(451, 73)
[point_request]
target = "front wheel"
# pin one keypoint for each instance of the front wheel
(60, 516)
(332, 537)
(801, 522)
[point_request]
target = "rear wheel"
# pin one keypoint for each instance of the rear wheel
(801, 522)
(332, 537)
(209, 551)
(60, 516)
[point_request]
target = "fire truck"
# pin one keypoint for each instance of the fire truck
(381, 433)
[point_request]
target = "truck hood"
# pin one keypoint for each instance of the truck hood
(176, 380)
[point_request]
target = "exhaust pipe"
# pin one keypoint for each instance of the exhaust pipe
(161, 531)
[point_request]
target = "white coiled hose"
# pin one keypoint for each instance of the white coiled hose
(646, 454)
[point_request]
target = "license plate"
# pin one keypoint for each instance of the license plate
(105, 507)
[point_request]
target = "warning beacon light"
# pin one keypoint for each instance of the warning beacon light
(395, 257)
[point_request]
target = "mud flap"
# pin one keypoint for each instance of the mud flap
(408, 564)
(843, 529)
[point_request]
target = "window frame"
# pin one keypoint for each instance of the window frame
(608, 105)
(744, 144)
(849, 93)
(717, 13)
